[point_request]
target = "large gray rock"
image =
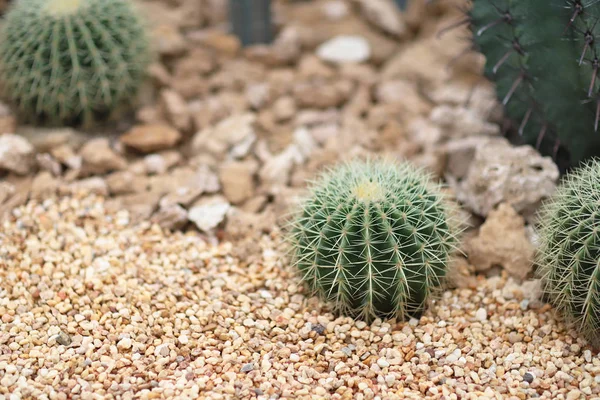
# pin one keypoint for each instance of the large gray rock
(502, 173)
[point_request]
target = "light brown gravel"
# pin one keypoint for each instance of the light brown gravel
(94, 308)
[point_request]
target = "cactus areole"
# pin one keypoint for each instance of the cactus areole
(544, 57)
(373, 239)
(71, 61)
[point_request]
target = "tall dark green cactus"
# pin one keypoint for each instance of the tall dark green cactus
(251, 21)
(544, 56)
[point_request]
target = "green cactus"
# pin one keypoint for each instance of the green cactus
(374, 239)
(544, 58)
(71, 61)
(569, 253)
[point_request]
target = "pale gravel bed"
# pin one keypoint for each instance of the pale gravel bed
(93, 308)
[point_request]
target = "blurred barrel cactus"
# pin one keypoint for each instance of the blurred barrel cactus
(71, 61)
(544, 58)
(251, 21)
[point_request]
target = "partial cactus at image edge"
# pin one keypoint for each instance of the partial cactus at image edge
(569, 253)
(71, 61)
(374, 238)
(543, 58)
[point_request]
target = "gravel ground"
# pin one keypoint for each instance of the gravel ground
(97, 308)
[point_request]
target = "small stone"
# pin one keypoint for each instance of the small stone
(335, 10)
(384, 14)
(247, 367)
(238, 180)
(167, 40)
(99, 158)
(44, 185)
(284, 108)
(481, 314)
(93, 185)
(148, 138)
(502, 240)
(320, 329)
(171, 217)
(183, 339)
(514, 337)
(155, 164)
(66, 155)
(234, 134)
(48, 163)
(294, 357)
(125, 182)
(209, 213)
(348, 350)
(574, 394)
(16, 154)
(63, 339)
(527, 377)
(258, 95)
(176, 110)
(162, 350)
(124, 344)
(160, 163)
(222, 42)
(383, 363)
(345, 49)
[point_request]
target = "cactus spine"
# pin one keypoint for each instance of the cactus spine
(374, 239)
(544, 59)
(569, 254)
(70, 61)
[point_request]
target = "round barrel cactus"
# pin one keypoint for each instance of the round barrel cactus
(569, 253)
(544, 59)
(374, 239)
(71, 61)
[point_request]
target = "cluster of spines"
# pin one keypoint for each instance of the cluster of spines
(569, 254)
(373, 239)
(544, 58)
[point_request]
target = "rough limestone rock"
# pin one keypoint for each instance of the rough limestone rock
(151, 137)
(501, 173)
(16, 154)
(502, 240)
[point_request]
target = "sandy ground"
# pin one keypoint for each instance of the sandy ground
(98, 308)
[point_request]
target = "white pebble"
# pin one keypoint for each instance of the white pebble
(124, 343)
(481, 315)
(383, 363)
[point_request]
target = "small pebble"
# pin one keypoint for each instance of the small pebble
(63, 339)
(318, 328)
(247, 367)
(527, 377)
(481, 314)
